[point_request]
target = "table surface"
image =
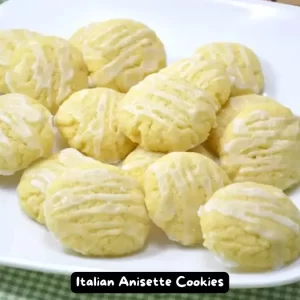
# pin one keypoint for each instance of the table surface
(16, 284)
(293, 2)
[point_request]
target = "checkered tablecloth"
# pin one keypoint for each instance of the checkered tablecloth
(27, 285)
(18, 284)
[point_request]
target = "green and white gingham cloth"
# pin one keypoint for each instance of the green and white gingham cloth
(16, 284)
(28, 285)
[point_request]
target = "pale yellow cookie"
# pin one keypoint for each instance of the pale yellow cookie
(97, 211)
(47, 69)
(261, 144)
(164, 114)
(242, 65)
(251, 227)
(233, 106)
(119, 53)
(26, 132)
(175, 186)
(35, 180)
(88, 121)
(10, 40)
(137, 162)
(208, 75)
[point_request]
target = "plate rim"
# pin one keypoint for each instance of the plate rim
(266, 3)
(27, 265)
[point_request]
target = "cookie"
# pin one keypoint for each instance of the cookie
(164, 114)
(119, 53)
(233, 106)
(175, 186)
(242, 65)
(48, 69)
(10, 40)
(208, 75)
(35, 179)
(87, 120)
(26, 132)
(137, 162)
(97, 212)
(251, 227)
(261, 144)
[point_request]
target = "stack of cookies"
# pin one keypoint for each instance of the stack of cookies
(193, 147)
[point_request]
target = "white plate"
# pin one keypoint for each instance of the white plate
(273, 32)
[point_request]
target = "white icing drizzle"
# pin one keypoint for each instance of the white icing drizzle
(273, 137)
(269, 207)
(252, 211)
(21, 118)
(171, 105)
(184, 182)
(45, 70)
(194, 67)
(243, 77)
(116, 39)
(70, 157)
(62, 52)
(96, 126)
(10, 40)
(43, 178)
(117, 201)
(101, 126)
(42, 71)
(67, 159)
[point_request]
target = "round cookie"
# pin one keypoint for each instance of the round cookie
(35, 180)
(251, 227)
(119, 53)
(47, 69)
(175, 186)
(10, 40)
(87, 120)
(241, 63)
(208, 75)
(233, 106)
(137, 162)
(262, 144)
(164, 114)
(97, 212)
(26, 132)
